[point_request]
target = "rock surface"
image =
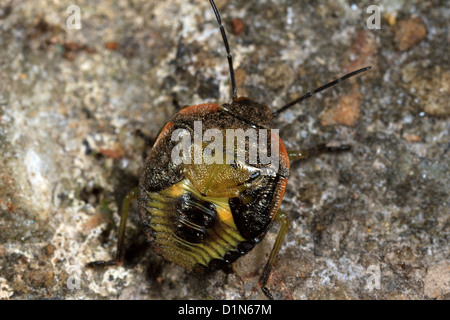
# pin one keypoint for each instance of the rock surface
(79, 110)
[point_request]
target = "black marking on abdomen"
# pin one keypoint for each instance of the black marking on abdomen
(192, 218)
(251, 209)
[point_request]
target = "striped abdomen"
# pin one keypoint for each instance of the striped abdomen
(192, 230)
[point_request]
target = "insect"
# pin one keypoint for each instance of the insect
(203, 215)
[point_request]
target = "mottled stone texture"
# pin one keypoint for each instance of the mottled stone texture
(79, 110)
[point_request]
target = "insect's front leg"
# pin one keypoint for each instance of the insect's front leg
(284, 220)
(317, 150)
(118, 260)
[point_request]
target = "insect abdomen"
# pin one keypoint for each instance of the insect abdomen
(189, 230)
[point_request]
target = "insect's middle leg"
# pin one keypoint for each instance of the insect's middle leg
(118, 260)
(317, 150)
(264, 277)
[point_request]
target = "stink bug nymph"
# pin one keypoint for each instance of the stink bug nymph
(204, 215)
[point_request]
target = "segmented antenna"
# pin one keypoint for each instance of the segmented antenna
(326, 86)
(227, 47)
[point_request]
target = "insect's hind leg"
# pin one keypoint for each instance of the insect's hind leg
(317, 150)
(120, 253)
(281, 217)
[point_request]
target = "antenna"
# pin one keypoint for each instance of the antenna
(227, 47)
(326, 86)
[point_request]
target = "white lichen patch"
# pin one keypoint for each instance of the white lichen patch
(5, 291)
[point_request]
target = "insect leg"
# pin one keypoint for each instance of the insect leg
(317, 150)
(284, 220)
(118, 260)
